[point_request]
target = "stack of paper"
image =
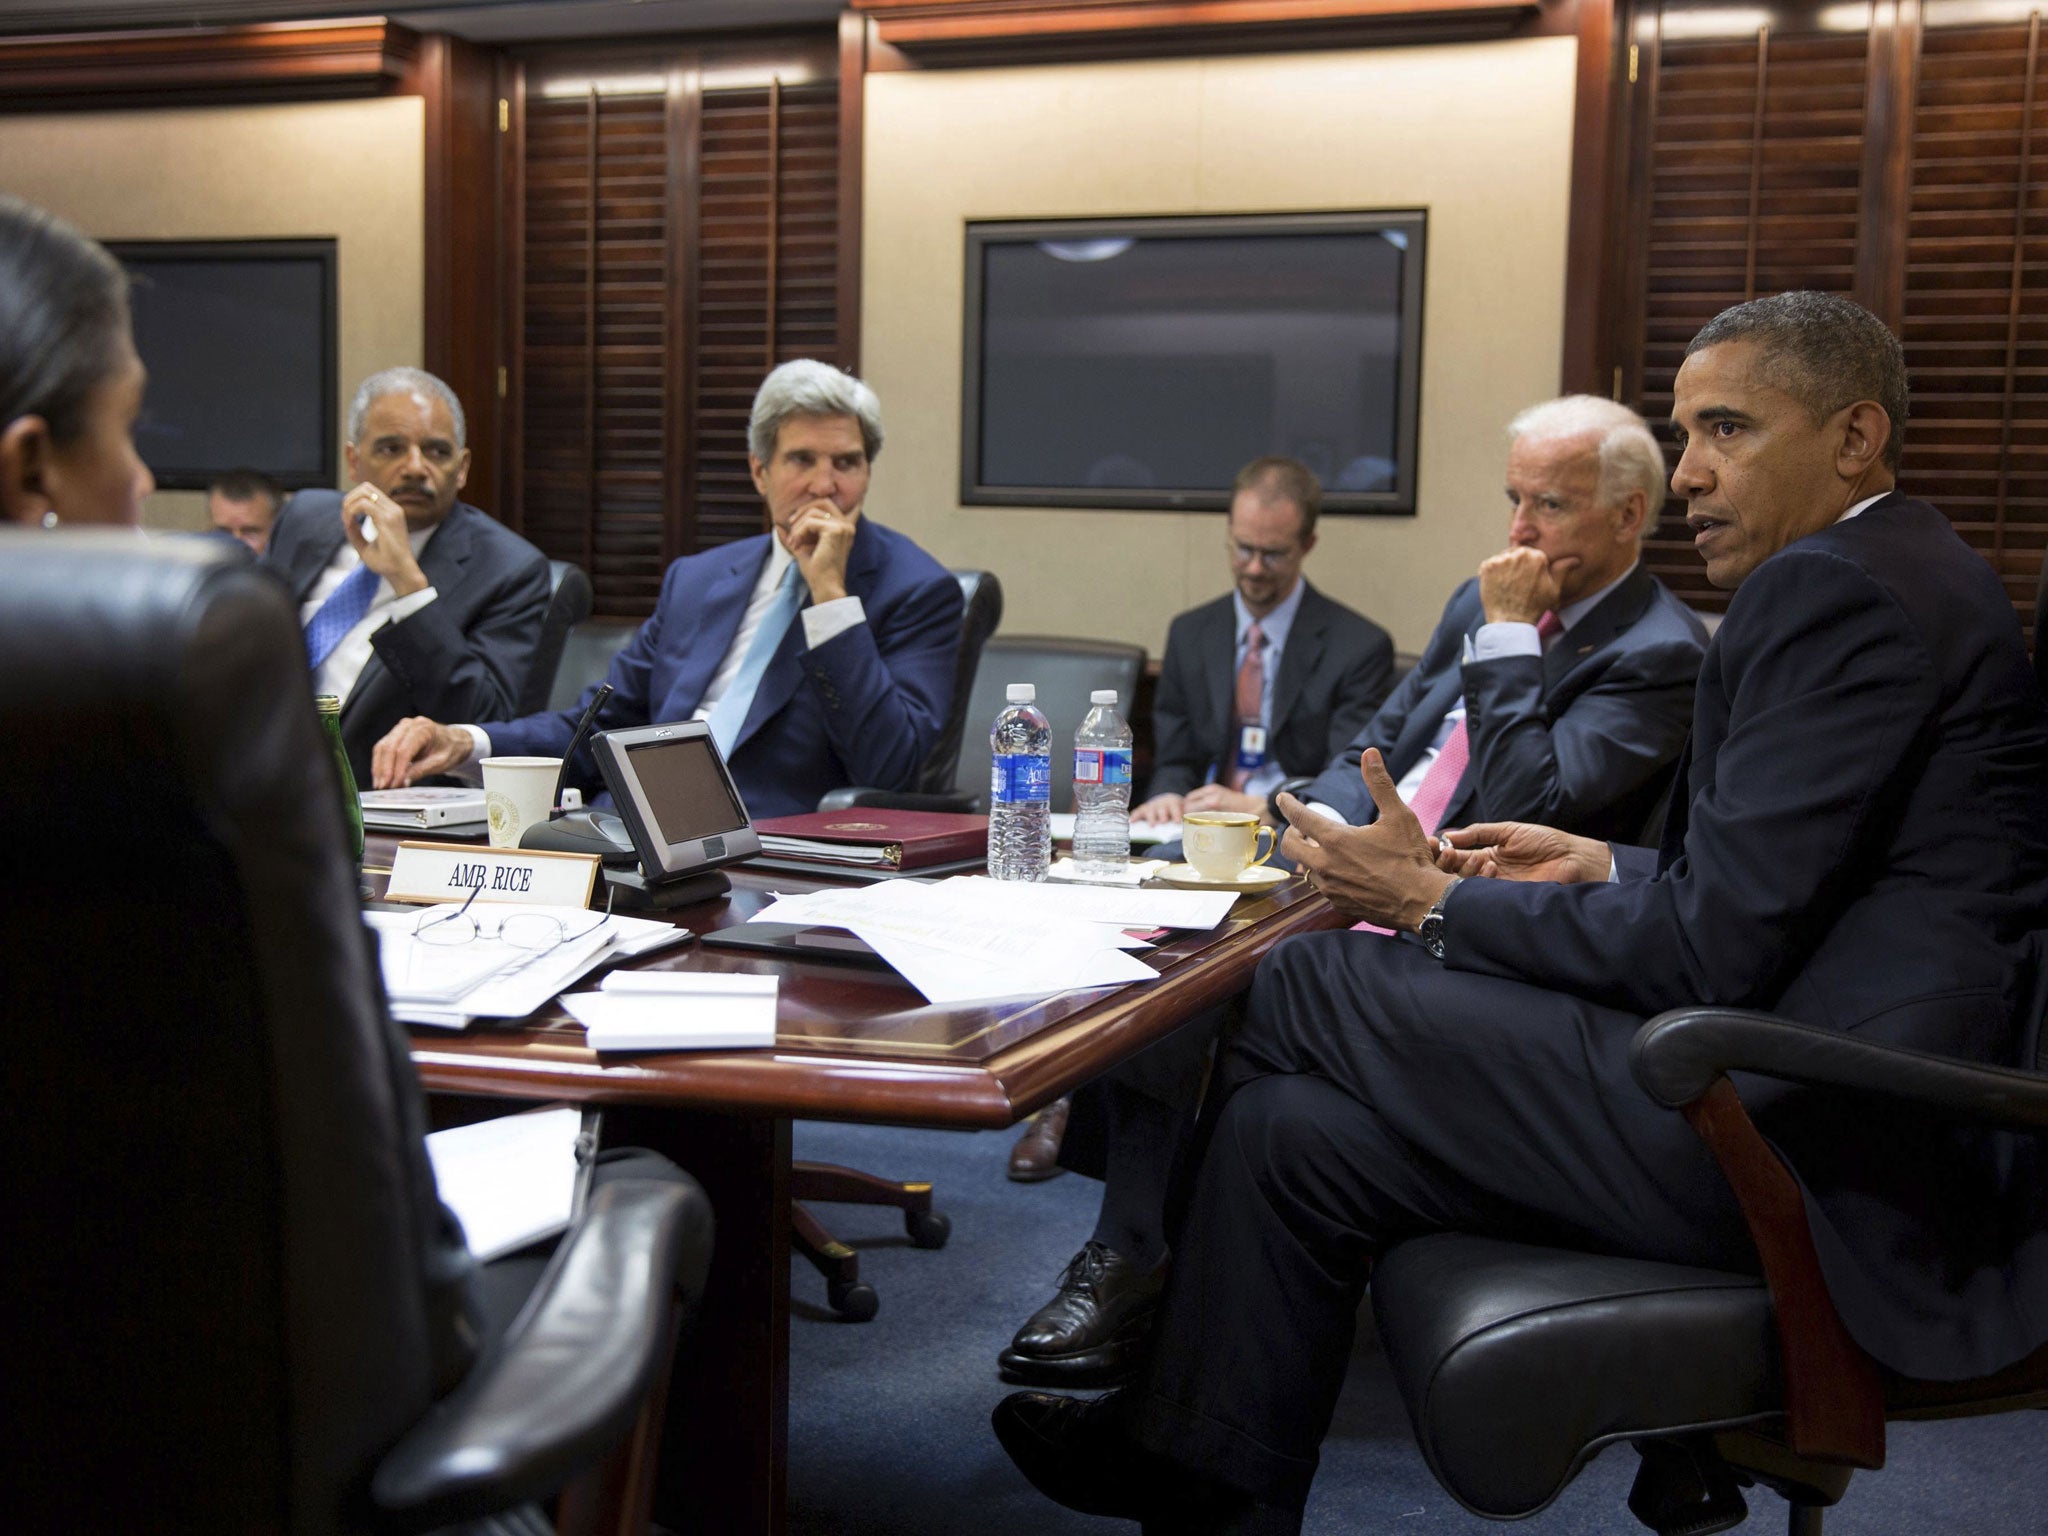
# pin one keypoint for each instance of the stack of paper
(970, 939)
(1141, 831)
(448, 985)
(510, 1181)
(677, 1011)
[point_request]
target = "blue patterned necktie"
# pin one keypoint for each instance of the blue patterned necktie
(730, 712)
(342, 612)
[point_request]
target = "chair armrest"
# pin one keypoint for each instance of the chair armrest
(567, 1381)
(895, 800)
(1677, 1056)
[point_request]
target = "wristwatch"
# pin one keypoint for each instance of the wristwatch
(1432, 930)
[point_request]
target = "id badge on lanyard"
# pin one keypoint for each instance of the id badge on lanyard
(1251, 748)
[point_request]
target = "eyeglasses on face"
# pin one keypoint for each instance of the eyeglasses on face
(1245, 554)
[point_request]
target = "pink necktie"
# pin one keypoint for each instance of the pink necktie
(1433, 794)
(1251, 692)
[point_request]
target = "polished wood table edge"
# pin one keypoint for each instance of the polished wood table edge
(984, 1095)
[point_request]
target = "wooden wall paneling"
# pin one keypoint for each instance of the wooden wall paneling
(853, 67)
(1590, 248)
(512, 290)
(1976, 293)
(185, 66)
(456, 81)
(1887, 158)
(685, 185)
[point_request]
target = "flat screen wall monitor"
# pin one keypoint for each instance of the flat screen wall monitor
(239, 340)
(676, 797)
(1143, 362)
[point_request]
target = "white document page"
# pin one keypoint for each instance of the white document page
(1141, 831)
(511, 1180)
(676, 1011)
(1089, 903)
(953, 956)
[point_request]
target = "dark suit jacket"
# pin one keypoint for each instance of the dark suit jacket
(1336, 668)
(1580, 738)
(464, 655)
(863, 708)
(1859, 841)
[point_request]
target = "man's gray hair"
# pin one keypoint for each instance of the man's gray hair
(409, 381)
(1824, 351)
(1630, 459)
(807, 387)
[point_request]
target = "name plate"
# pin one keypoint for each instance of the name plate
(435, 872)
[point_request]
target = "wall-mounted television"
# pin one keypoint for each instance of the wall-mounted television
(239, 340)
(1142, 362)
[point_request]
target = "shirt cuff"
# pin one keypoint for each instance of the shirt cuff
(1613, 868)
(824, 621)
(479, 746)
(1493, 641)
(1330, 811)
(405, 607)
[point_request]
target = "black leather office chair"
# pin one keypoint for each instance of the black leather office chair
(569, 599)
(2041, 624)
(586, 658)
(1065, 671)
(1519, 1363)
(229, 1302)
(934, 789)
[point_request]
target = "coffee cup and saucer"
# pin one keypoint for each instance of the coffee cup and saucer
(1226, 851)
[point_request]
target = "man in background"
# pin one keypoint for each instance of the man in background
(821, 652)
(412, 599)
(243, 503)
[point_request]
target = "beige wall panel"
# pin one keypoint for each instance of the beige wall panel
(350, 170)
(1478, 134)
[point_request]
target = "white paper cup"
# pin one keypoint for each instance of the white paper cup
(518, 793)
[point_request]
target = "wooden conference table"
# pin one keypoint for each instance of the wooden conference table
(854, 1044)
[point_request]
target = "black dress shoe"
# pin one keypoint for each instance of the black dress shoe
(1074, 1451)
(1092, 1332)
(1071, 1450)
(1036, 1155)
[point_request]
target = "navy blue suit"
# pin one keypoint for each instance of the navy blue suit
(1858, 840)
(1578, 738)
(863, 708)
(465, 655)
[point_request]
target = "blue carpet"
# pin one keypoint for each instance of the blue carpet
(889, 1419)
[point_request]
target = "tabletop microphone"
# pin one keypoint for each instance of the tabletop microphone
(604, 691)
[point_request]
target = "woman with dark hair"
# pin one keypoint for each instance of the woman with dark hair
(70, 382)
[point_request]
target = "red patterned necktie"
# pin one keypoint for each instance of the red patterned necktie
(1433, 795)
(1251, 693)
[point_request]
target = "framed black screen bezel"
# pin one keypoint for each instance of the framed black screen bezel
(325, 253)
(1399, 500)
(661, 860)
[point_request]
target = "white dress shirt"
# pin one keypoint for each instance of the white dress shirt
(344, 664)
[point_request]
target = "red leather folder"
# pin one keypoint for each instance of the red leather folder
(875, 838)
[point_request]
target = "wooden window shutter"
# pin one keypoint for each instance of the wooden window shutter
(1749, 185)
(1976, 294)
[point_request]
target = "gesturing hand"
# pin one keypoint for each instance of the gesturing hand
(1522, 850)
(820, 536)
(1385, 873)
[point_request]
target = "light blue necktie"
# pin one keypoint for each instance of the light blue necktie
(730, 712)
(342, 612)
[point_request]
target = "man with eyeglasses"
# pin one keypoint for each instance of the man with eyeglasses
(1557, 688)
(413, 601)
(1270, 680)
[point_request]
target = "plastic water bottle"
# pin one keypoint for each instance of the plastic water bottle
(1102, 788)
(1020, 790)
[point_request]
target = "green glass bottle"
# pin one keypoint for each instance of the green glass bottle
(329, 706)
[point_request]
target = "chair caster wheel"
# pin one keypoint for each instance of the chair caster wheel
(927, 1229)
(853, 1300)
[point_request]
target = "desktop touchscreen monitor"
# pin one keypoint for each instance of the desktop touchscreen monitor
(676, 797)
